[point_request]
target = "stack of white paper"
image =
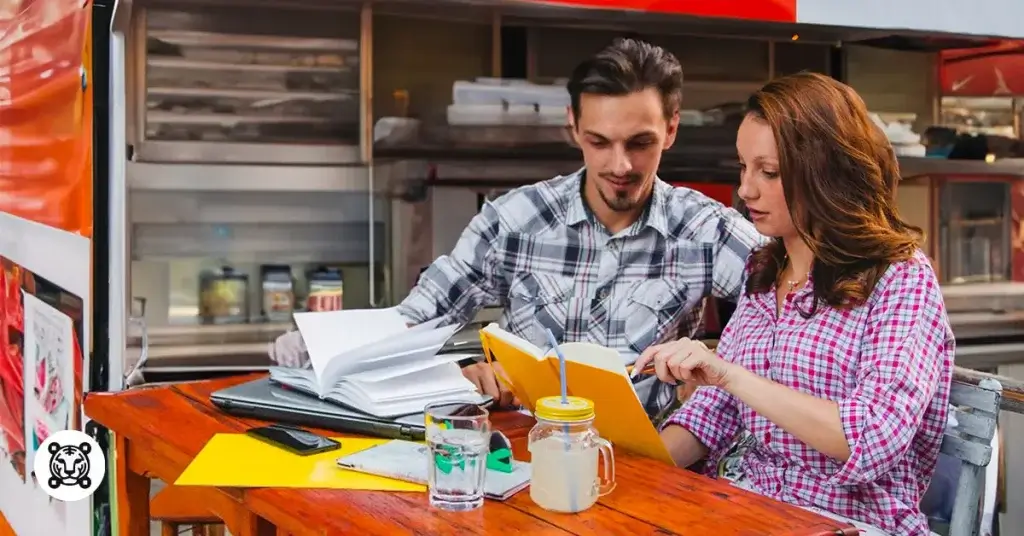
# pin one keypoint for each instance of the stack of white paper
(369, 360)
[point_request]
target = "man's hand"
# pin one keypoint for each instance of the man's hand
(289, 350)
(483, 377)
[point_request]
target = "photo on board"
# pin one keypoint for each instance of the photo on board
(40, 365)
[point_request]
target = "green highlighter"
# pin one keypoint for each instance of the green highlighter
(499, 456)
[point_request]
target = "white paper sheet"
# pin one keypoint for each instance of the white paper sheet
(49, 373)
(333, 333)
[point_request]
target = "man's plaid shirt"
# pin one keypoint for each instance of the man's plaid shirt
(540, 252)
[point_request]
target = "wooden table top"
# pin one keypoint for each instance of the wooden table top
(176, 421)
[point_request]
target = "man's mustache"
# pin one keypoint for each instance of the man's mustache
(632, 177)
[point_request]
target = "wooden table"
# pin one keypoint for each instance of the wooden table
(159, 430)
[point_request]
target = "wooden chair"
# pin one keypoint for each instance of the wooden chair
(977, 412)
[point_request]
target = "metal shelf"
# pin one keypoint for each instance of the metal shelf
(217, 91)
(275, 97)
(229, 120)
(170, 62)
(190, 38)
(246, 178)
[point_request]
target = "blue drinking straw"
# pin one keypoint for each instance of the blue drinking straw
(565, 401)
(561, 363)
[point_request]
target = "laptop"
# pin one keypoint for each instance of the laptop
(264, 400)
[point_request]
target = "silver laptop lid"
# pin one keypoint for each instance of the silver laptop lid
(263, 393)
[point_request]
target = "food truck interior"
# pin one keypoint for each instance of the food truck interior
(322, 151)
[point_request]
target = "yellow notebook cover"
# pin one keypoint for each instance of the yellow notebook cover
(240, 461)
(591, 371)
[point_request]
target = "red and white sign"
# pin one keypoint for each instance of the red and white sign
(996, 71)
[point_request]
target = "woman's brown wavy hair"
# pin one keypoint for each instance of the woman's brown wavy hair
(839, 176)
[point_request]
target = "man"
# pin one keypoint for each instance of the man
(939, 141)
(609, 254)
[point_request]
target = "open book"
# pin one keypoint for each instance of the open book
(370, 361)
(591, 371)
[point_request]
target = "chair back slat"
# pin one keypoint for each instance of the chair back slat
(966, 450)
(975, 424)
(977, 412)
(975, 396)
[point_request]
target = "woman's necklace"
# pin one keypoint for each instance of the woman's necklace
(793, 284)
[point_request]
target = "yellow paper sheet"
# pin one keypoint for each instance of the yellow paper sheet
(240, 461)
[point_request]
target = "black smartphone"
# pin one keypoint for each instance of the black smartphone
(294, 440)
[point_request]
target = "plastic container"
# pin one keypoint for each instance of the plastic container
(224, 296)
(326, 290)
(278, 293)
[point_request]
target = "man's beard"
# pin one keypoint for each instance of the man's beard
(621, 201)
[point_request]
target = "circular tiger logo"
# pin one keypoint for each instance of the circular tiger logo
(69, 465)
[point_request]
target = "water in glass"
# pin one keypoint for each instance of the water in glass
(458, 462)
(458, 435)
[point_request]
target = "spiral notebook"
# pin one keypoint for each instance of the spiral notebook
(409, 461)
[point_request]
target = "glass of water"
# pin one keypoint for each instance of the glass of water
(458, 435)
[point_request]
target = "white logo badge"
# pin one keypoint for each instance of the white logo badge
(69, 465)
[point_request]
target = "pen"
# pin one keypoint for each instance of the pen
(649, 369)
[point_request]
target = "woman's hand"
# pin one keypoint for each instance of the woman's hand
(689, 361)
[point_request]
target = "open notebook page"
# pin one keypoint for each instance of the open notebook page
(437, 380)
(403, 348)
(403, 368)
(594, 355)
(597, 373)
(406, 394)
(333, 333)
(512, 340)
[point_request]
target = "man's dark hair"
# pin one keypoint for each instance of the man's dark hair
(627, 66)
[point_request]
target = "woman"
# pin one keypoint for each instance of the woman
(838, 359)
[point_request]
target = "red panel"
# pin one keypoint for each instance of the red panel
(759, 10)
(984, 72)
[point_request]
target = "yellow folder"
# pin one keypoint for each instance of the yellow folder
(591, 371)
(240, 461)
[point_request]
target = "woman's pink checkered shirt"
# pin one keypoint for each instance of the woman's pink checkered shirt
(887, 364)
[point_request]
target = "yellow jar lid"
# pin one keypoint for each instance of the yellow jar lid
(575, 409)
